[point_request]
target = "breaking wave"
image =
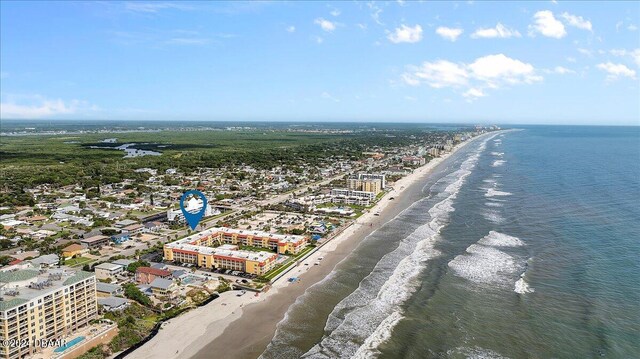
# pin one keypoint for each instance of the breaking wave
(491, 192)
(485, 263)
(366, 318)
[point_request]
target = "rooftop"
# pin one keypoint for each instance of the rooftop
(73, 247)
(39, 283)
(17, 275)
(95, 239)
(108, 266)
(112, 302)
(107, 287)
(187, 243)
(161, 283)
(123, 262)
(154, 271)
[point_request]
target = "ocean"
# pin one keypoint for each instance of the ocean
(524, 244)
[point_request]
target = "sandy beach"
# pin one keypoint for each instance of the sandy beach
(241, 327)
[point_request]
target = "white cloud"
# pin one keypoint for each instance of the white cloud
(500, 68)
(614, 71)
(473, 93)
(335, 12)
(326, 25)
(291, 28)
(500, 31)
(632, 27)
(375, 12)
(40, 107)
(633, 54)
(560, 70)
(547, 25)
(473, 79)
(328, 96)
(410, 80)
(318, 39)
(577, 21)
(439, 74)
(406, 33)
(449, 33)
(585, 52)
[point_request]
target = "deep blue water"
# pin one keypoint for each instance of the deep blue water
(526, 245)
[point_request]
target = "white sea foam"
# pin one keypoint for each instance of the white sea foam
(497, 154)
(522, 287)
(483, 264)
(369, 314)
(498, 163)
(493, 204)
(493, 215)
(494, 192)
(497, 239)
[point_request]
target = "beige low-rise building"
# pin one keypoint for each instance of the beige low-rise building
(220, 248)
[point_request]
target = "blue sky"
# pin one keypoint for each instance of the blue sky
(522, 62)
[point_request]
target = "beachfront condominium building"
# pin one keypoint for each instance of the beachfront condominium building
(39, 305)
(356, 184)
(374, 176)
(367, 182)
(220, 248)
(348, 196)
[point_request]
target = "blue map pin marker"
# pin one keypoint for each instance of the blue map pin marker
(193, 218)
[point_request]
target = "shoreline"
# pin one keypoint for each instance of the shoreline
(242, 327)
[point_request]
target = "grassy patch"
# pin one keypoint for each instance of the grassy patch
(78, 261)
(255, 249)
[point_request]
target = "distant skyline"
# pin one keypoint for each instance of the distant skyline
(542, 62)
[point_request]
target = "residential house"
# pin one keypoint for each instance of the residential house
(163, 288)
(95, 241)
(154, 226)
(123, 262)
(125, 222)
(108, 290)
(112, 304)
(73, 250)
(46, 261)
(107, 271)
(146, 275)
(134, 229)
(120, 238)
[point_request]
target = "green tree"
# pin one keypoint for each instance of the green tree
(132, 292)
(137, 264)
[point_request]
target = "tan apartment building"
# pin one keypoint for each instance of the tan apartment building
(220, 248)
(38, 306)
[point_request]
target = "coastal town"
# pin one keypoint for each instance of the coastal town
(96, 271)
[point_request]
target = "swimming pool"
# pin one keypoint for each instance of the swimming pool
(69, 344)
